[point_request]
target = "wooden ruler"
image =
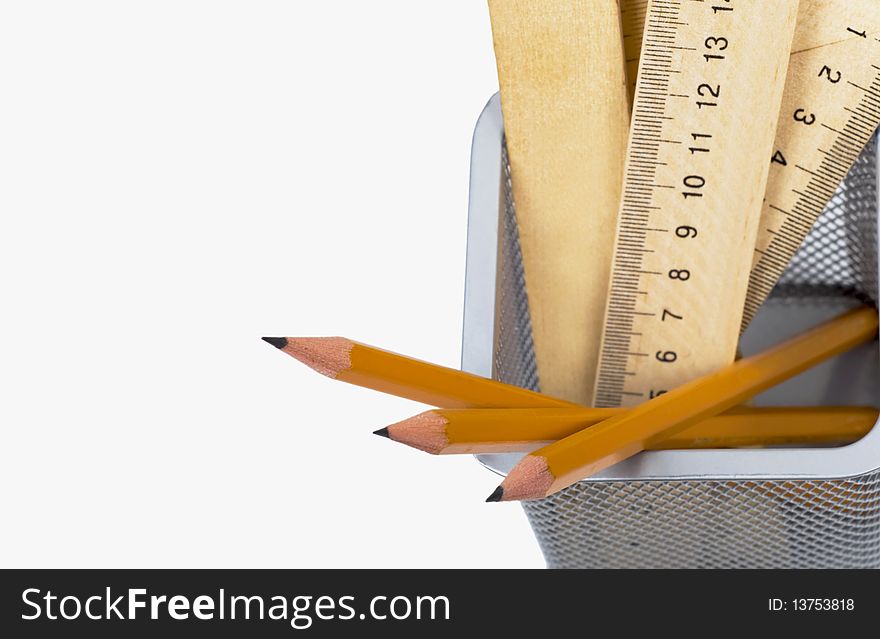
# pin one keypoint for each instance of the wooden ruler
(632, 18)
(705, 112)
(566, 118)
(829, 109)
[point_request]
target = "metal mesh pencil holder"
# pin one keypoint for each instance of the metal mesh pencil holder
(752, 508)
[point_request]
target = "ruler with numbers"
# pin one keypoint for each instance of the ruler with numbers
(707, 100)
(829, 110)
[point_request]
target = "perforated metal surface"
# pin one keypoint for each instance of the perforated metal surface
(515, 361)
(711, 524)
(839, 256)
(831, 523)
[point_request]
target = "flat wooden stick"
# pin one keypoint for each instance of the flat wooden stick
(566, 116)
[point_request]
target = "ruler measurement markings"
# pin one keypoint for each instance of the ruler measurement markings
(633, 15)
(836, 159)
(826, 36)
(621, 313)
(654, 125)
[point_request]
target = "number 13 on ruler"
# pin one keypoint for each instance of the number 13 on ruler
(707, 100)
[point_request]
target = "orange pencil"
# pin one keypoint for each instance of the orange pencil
(498, 430)
(564, 462)
(362, 365)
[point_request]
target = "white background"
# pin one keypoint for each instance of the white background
(182, 177)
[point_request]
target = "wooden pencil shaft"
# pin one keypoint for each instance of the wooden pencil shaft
(523, 430)
(435, 385)
(561, 72)
(387, 372)
(613, 440)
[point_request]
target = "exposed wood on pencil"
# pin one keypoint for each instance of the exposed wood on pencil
(327, 355)
(425, 431)
(530, 479)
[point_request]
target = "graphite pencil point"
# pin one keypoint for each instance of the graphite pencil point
(382, 432)
(277, 342)
(496, 495)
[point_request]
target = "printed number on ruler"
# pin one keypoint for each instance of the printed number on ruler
(707, 99)
(830, 108)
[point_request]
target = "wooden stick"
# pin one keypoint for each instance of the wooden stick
(474, 431)
(566, 116)
(589, 451)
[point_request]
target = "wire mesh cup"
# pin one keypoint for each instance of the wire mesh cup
(755, 508)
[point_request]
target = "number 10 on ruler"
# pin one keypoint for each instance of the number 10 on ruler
(704, 118)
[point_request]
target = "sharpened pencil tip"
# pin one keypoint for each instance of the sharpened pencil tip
(496, 495)
(382, 432)
(277, 342)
